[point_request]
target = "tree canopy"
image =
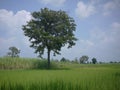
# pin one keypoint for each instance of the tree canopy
(94, 60)
(51, 30)
(14, 52)
(84, 59)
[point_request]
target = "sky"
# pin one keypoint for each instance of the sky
(97, 30)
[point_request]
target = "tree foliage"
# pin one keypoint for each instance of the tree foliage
(94, 60)
(14, 52)
(50, 30)
(84, 59)
(63, 59)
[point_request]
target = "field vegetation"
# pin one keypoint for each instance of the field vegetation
(25, 63)
(28, 74)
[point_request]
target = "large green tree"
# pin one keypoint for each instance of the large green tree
(51, 30)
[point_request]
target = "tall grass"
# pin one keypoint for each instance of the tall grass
(101, 77)
(24, 63)
(26, 76)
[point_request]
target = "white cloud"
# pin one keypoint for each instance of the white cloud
(53, 2)
(110, 6)
(116, 25)
(115, 32)
(11, 24)
(11, 33)
(84, 10)
(86, 43)
(109, 36)
(97, 34)
(106, 13)
(102, 44)
(106, 42)
(12, 20)
(4, 42)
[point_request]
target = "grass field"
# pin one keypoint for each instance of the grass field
(72, 77)
(24, 63)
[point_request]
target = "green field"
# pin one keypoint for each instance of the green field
(71, 77)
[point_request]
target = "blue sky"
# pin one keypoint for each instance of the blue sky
(98, 27)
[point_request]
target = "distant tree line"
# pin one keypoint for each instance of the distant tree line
(82, 60)
(85, 60)
(14, 52)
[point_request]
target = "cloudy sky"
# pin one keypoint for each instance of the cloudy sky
(98, 27)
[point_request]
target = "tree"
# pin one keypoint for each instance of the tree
(84, 59)
(94, 60)
(63, 59)
(50, 30)
(14, 52)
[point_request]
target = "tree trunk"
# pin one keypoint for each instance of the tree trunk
(48, 59)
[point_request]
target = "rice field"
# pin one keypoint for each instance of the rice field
(75, 77)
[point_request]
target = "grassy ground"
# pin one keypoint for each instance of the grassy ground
(74, 77)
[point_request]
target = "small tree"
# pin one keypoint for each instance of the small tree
(94, 60)
(50, 30)
(63, 59)
(14, 52)
(84, 59)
